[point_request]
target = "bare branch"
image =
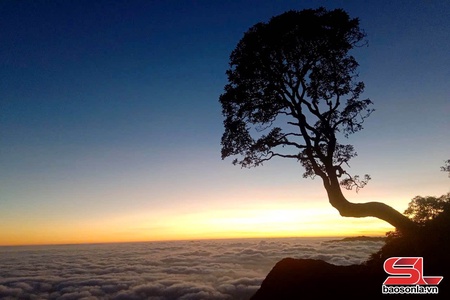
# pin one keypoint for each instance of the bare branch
(272, 154)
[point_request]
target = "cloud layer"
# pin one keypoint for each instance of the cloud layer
(188, 270)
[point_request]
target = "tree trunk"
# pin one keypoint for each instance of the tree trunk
(370, 209)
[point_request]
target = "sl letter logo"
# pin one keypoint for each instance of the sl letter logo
(407, 271)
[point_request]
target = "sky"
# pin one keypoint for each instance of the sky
(110, 123)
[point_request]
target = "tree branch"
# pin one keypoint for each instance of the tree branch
(272, 154)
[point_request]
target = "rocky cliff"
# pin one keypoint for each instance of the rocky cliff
(310, 279)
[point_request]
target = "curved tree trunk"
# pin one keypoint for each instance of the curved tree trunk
(370, 209)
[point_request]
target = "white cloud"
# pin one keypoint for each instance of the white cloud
(218, 270)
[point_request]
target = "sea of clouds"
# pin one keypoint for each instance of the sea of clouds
(218, 269)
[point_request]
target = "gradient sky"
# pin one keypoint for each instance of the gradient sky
(110, 124)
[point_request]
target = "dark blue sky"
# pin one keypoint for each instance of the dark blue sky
(123, 95)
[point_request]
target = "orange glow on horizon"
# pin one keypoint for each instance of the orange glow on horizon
(247, 216)
(268, 222)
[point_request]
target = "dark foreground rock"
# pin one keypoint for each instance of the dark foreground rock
(316, 279)
(310, 279)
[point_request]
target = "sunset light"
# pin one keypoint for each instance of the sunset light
(111, 128)
(224, 150)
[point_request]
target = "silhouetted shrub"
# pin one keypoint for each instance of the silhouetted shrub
(431, 240)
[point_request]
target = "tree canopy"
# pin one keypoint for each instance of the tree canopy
(446, 167)
(297, 69)
(292, 92)
(424, 209)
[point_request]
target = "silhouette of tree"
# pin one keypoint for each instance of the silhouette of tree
(429, 241)
(424, 209)
(292, 92)
(446, 167)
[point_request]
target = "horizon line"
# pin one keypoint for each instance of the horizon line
(193, 240)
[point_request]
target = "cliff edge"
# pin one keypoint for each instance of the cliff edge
(310, 279)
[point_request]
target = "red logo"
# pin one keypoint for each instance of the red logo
(407, 271)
